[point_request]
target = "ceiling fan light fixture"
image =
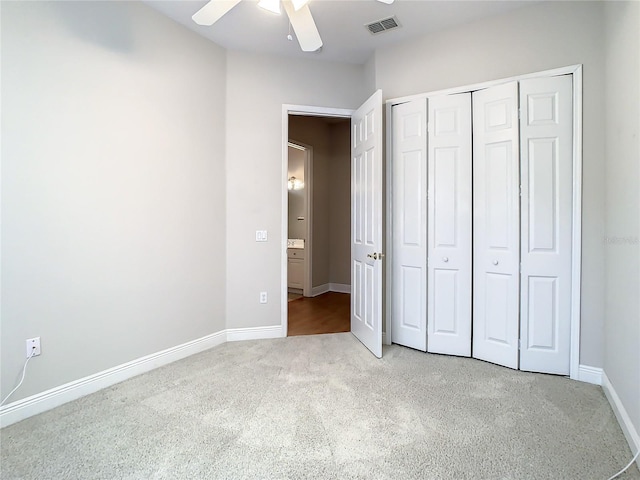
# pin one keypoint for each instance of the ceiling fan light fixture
(272, 6)
(298, 4)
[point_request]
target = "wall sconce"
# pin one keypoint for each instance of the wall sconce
(295, 184)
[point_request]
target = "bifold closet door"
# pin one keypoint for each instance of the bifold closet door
(449, 221)
(496, 225)
(546, 132)
(409, 276)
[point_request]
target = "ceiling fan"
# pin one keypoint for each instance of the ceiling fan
(297, 10)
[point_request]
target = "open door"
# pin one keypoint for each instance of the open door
(366, 224)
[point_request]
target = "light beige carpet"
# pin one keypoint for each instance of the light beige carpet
(321, 407)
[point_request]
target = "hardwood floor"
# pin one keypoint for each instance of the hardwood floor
(327, 313)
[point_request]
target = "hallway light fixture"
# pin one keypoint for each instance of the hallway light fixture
(295, 184)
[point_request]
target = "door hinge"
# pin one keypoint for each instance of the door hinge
(520, 190)
(519, 343)
(519, 113)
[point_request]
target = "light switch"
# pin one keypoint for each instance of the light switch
(261, 235)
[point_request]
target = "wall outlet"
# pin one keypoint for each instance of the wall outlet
(261, 235)
(263, 297)
(33, 344)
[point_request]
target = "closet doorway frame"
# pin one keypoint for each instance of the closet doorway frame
(576, 231)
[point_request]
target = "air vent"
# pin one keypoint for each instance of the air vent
(383, 25)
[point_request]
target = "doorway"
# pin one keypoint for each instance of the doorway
(318, 224)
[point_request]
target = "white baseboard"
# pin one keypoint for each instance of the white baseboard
(330, 287)
(253, 333)
(629, 430)
(319, 290)
(590, 374)
(339, 288)
(41, 402)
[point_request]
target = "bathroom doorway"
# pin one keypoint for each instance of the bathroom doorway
(300, 223)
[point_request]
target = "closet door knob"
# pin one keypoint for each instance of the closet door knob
(445, 259)
(495, 262)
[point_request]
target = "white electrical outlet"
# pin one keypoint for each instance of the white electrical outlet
(263, 297)
(33, 345)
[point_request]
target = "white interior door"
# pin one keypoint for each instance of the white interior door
(449, 271)
(547, 189)
(496, 225)
(409, 276)
(366, 223)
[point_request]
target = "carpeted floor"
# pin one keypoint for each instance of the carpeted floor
(316, 407)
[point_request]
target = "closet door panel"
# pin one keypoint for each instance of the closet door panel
(546, 127)
(496, 225)
(449, 221)
(409, 275)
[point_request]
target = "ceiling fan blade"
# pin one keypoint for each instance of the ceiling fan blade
(213, 11)
(304, 26)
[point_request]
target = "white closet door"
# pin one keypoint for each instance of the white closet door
(547, 167)
(409, 170)
(449, 234)
(496, 225)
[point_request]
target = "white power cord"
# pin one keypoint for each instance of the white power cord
(628, 465)
(24, 370)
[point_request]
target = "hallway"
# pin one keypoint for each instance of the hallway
(327, 313)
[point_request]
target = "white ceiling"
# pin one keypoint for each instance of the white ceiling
(340, 22)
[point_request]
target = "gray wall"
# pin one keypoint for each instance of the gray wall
(113, 187)
(257, 87)
(531, 39)
(622, 241)
(340, 203)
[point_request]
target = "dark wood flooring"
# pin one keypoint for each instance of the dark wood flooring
(327, 313)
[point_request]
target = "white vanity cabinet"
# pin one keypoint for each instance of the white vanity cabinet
(295, 268)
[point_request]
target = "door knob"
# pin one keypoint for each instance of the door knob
(372, 255)
(495, 262)
(445, 259)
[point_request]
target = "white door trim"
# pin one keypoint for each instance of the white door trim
(576, 72)
(305, 110)
(308, 207)
(571, 69)
(576, 221)
(388, 229)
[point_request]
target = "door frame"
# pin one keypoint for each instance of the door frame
(308, 211)
(302, 110)
(576, 255)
